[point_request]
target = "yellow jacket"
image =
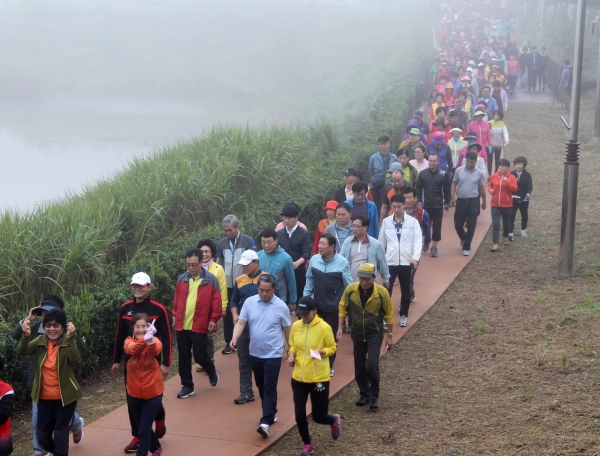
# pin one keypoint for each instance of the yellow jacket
(218, 271)
(367, 321)
(315, 335)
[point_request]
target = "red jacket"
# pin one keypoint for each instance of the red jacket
(144, 378)
(483, 132)
(208, 303)
(503, 191)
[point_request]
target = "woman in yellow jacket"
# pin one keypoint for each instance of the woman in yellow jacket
(311, 343)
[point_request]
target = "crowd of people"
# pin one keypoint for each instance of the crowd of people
(296, 297)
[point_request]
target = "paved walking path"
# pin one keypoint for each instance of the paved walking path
(210, 422)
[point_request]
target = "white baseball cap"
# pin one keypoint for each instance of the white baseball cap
(140, 278)
(247, 257)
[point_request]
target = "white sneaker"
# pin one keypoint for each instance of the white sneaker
(511, 237)
(403, 320)
(263, 429)
(331, 372)
(466, 252)
(523, 233)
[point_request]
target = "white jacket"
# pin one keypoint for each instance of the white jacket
(411, 241)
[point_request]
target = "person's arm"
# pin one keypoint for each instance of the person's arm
(290, 280)
(505, 134)
(306, 247)
(216, 310)
(342, 314)
(513, 185)
(163, 328)
(7, 403)
(388, 309)
(220, 257)
(329, 345)
(237, 332)
(134, 347)
(384, 210)
(373, 221)
(310, 286)
(223, 286)
(235, 302)
(347, 273)
(286, 330)
(483, 197)
(382, 265)
(382, 238)
(417, 244)
(453, 191)
(72, 350)
(446, 190)
(529, 183)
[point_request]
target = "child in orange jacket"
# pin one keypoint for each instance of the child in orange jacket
(145, 384)
(501, 186)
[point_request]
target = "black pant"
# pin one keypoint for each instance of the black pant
(228, 319)
(495, 153)
(332, 319)
(300, 274)
(366, 367)
(188, 342)
(144, 411)
(512, 82)
(160, 415)
(467, 210)
(266, 376)
(523, 208)
(497, 214)
(435, 216)
(404, 274)
(319, 400)
(376, 194)
(532, 77)
(54, 418)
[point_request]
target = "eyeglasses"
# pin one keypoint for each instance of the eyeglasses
(357, 226)
(191, 265)
(206, 252)
(52, 325)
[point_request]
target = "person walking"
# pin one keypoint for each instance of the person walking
(379, 163)
(55, 387)
(229, 251)
(145, 384)
(49, 302)
(362, 207)
(268, 319)
(330, 209)
(433, 188)
(534, 62)
(565, 84)
(141, 286)
(274, 260)
(311, 344)
(482, 132)
(370, 304)
(401, 239)
(196, 310)
(499, 139)
(439, 147)
(327, 277)
(467, 191)
(410, 172)
(341, 229)
(521, 197)
(345, 193)
(501, 186)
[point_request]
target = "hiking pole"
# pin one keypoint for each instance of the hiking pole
(569, 202)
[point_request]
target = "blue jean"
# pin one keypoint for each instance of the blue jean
(266, 376)
(144, 411)
(76, 426)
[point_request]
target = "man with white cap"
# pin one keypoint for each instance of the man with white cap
(141, 286)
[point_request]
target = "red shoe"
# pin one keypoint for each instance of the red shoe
(160, 429)
(157, 452)
(133, 446)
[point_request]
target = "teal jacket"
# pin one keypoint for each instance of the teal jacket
(68, 354)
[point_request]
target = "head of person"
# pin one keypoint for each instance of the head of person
(55, 324)
(434, 94)
(327, 245)
(479, 115)
(449, 88)
(139, 325)
(359, 190)
(485, 92)
(410, 198)
(414, 135)
(419, 153)
(306, 309)
(434, 161)
(249, 262)
(330, 208)
(567, 62)
(350, 176)
(503, 165)
(458, 104)
(266, 287)
(398, 179)
(418, 116)
(397, 202)
(520, 164)
(463, 98)
(439, 99)
(443, 81)
(497, 85)
(403, 157)
(49, 302)
(440, 112)
(481, 67)
(498, 115)
(208, 249)
(366, 275)
(453, 118)
(193, 262)
(470, 159)
(231, 226)
(290, 214)
(437, 138)
(534, 49)
(360, 226)
(141, 286)
(268, 240)
(384, 144)
(456, 132)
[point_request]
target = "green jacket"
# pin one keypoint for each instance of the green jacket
(367, 322)
(68, 354)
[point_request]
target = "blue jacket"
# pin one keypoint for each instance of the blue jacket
(341, 234)
(372, 215)
(279, 264)
(377, 169)
(327, 280)
(375, 255)
(492, 106)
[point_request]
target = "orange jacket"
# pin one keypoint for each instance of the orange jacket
(323, 224)
(144, 378)
(503, 191)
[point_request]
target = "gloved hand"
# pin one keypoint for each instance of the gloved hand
(489, 149)
(149, 336)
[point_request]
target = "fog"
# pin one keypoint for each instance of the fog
(84, 86)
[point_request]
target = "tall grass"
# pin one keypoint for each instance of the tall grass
(60, 246)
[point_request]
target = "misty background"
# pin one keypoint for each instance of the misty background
(84, 87)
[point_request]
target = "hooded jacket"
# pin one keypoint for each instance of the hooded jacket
(327, 280)
(144, 378)
(482, 130)
(446, 164)
(503, 191)
(280, 264)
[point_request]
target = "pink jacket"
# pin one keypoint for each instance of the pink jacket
(483, 131)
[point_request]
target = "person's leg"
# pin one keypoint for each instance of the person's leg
(134, 408)
(332, 319)
(376, 193)
(372, 367)
(147, 411)
(77, 424)
(210, 345)
(300, 274)
(259, 374)
(37, 448)
(490, 156)
(435, 215)
(300, 392)
(360, 371)
(460, 216)
(412, 282)
(404, 279)
(184, 347)
(496, 225)
(506, 211)
(497, 154)
(393, 275)
(513, 216)
(228, 319)
(161, 414)
(471, 219)
(319, 400)
(269, 403)
(45, 424)
(243, 351)
(201, 354)
(524, 209)
(63, 420)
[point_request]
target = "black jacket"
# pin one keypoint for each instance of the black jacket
(340, 195)
(525, 184)
(433, 188)
(298, 246)
(29, 375)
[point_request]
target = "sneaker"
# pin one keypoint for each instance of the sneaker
(243, 398)
(362, 401)
(133, 446)
(40, 454)
(373, 405)
(307, 450)
(185, 392)
(160, 429)
(466, 252)
(263, 429)
(227, 350)
(425, 247)
(523, 233)
(511, 237)
(331, 372)
(157, 452)
(336, 428)
(505, 240)
(495, 248)
(403, 321)
(434, 252)
(78, 436)
(214, 378)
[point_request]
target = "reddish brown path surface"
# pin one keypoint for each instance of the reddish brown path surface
(210, 422)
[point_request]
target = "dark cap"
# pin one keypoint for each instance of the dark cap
(471, 135)
(476, 145)
(351, 172)
(46, 305)
(419, 114)
(305, 305)
(290, 210)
